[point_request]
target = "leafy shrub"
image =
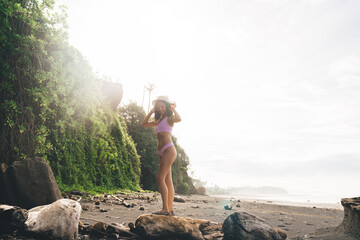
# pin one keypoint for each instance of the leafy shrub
(51, 105)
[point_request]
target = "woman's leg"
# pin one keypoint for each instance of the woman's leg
(165, 166)
(171, 192)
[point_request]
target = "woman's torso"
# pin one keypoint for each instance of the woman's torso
(164, 132)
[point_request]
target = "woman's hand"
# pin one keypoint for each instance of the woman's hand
(176, 117)
(172, 106)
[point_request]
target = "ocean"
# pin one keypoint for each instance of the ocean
(314, 199)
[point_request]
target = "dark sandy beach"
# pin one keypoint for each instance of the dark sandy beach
(300, 222)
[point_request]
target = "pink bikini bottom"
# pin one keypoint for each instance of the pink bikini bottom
(166, 146)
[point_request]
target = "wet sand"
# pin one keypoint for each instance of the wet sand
(300, 222)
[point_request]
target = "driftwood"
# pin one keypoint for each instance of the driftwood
(122, 201)
(107, 229)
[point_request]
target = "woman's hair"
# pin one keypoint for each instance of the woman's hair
(168, 111)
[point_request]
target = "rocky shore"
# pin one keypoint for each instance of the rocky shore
(116, 216)
(297, 222)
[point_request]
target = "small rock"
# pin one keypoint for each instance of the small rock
(131, 226)
(238, 205)
(97, 202)
(85, 237)
(85, 207)
(114, 235)
(98, 227)
(79, 193)
(179, 199)
(195, 206)
(103, 210)
(141, 208)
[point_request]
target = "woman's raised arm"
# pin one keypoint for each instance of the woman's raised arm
(146, 122)
(176, 117)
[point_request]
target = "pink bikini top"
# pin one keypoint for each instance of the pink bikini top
(163, 126)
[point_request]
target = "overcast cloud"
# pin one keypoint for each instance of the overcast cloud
(269, 90)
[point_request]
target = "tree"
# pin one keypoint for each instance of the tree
(146, 144)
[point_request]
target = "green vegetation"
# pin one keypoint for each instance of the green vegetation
(146, 145)
(51, 106)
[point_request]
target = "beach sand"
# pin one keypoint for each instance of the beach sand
(300, 222)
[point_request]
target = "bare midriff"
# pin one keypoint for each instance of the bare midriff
(163, 139)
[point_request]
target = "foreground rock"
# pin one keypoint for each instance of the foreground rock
(28, 183)
(351, 222)
(242, 225)
(12, 218)
(164, 227)
(57, 220)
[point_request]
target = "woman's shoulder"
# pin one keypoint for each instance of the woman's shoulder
(171, 119)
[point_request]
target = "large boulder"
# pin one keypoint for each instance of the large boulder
(351, 222)
(241, 225)
(59, 220)
(165, 227)
(29, 183)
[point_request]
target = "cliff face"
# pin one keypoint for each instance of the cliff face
(113, 93)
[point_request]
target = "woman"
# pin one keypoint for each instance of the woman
(165, 117)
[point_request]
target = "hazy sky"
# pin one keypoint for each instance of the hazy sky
(269, 90)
